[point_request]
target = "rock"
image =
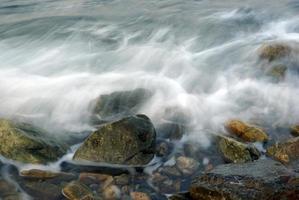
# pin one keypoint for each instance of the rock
(111, 192)
(278, 72)
(166, 184)
(181, 196)
(262, 179)
(129, 141)
(245, 131)
(171, 131)
(8, 191)
(295, 130)
(170, 171)
(121, 103)
(77, 191)
(95, 178)
(25, 143)
(139, 196)
(123, 179)
(44, 184)
(163, 149)
(236, 152)
(285, 151)
(274, 51)
(187, 166)
(42, 174)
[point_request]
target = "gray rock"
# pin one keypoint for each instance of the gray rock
(262, 179)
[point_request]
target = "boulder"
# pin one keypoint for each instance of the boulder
(130, 141)
(236, 152)
(26, 143)
(285, 152)
(274, 51)
(121, 103)
(262, 179)
(247, 132)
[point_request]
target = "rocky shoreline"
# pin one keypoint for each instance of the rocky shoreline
(127, 157)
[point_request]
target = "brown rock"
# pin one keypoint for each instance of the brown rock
(286, 151)
(245, 131)
(274, 51)
(236, 152)
(42, 174)
(111, 192)
(77, 191)
(139, 196)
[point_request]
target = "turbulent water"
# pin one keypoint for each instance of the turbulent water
(197, 56)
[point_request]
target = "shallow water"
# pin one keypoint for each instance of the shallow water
(197, 56)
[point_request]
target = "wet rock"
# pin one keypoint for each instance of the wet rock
(236, 152)
(262, 179)
(274, 51)
(123, 179)
(187, 166)
(166, 184)
(170, 171)
(44, 184)
(8, 191)
(285, 152)
(95, 178)
(277, 72)
(121, 103)
(42, 174)
(295, 130)
(111, 192)
(182, 196)
(129, 141)
(163, 149)
(171, 131)
(25, 143)
(139, 196)
(245, 131)
(77, 191)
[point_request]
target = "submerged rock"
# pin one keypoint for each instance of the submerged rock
(262, 179)
(236, 152)
(121, 103)
(45, 185)
(285, 151)
(274, 51)
(245, 131)
(25, 143)
(8, 191)
(77, 191)
(130, 141)
(139, 196)
(42, 174)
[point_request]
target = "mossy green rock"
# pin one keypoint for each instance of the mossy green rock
(120, 103)
(236, 152)
(24, 143)
(130, 141)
